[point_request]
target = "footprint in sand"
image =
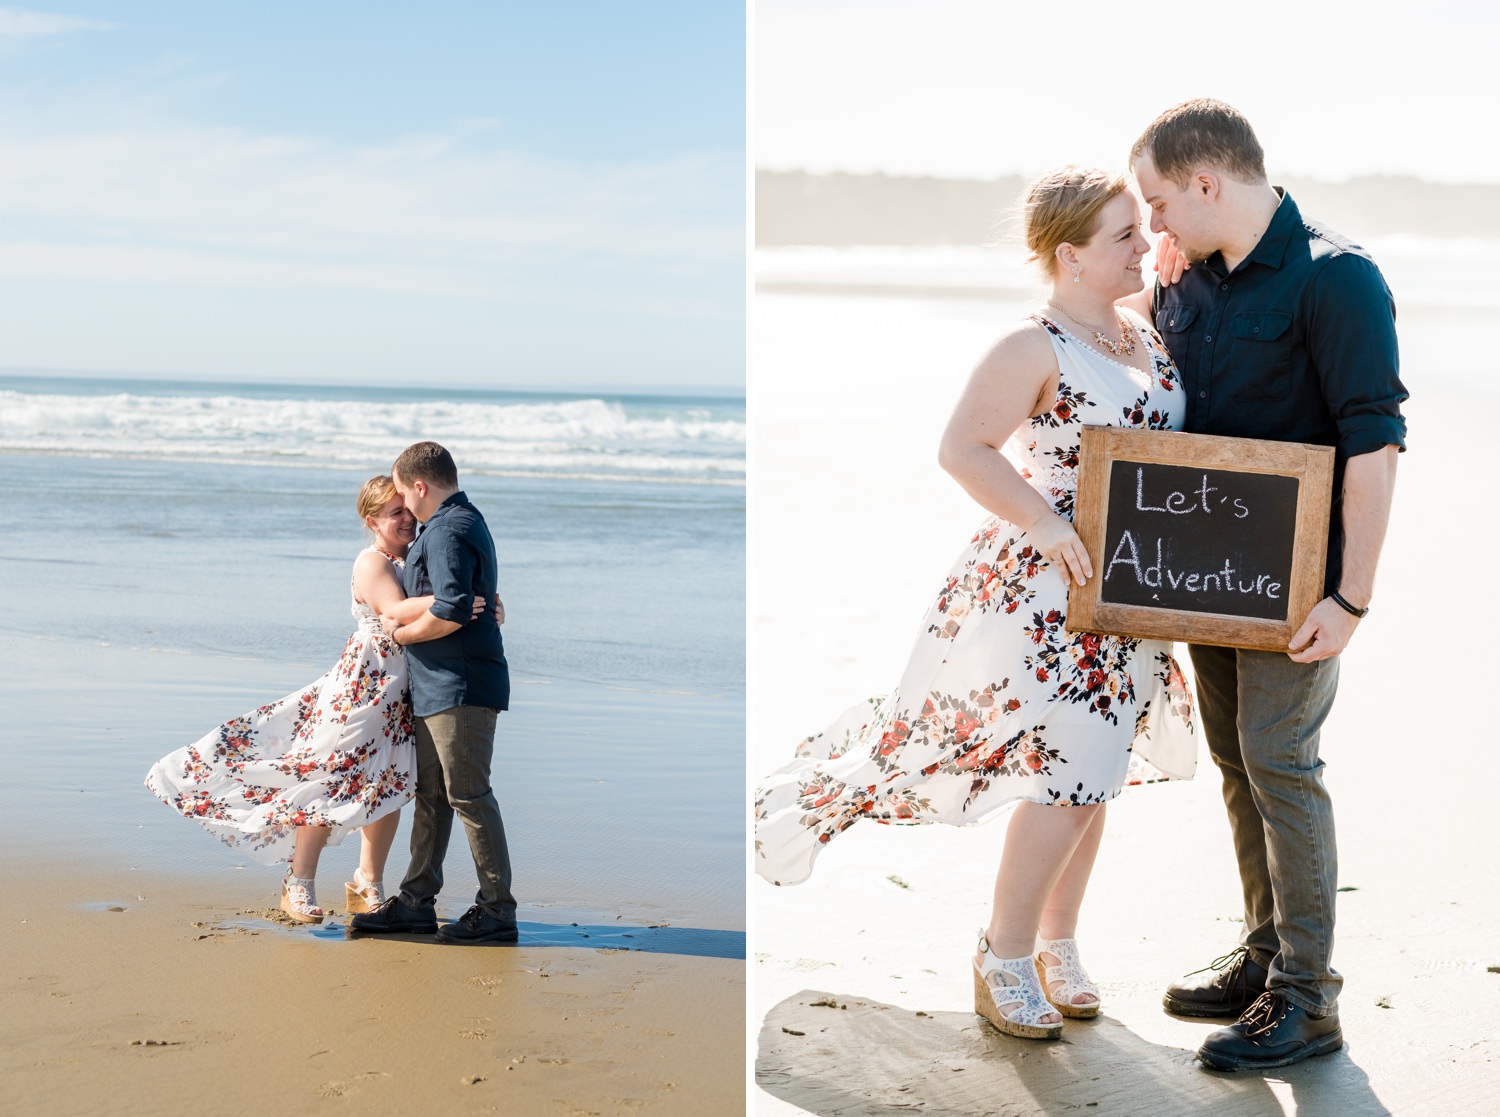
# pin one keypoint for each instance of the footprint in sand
(344, 1089)
(473, 1033)
(485, 983)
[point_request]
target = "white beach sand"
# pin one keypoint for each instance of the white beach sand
(852, 525)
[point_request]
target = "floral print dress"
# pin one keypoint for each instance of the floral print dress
(338, 753)
(998, 702)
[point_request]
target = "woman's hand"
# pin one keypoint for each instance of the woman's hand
(480, 609)
(1059, 544)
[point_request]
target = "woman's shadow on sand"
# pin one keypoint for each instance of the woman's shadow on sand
(838, 1054)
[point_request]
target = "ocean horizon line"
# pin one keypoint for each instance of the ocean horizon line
(579, 391)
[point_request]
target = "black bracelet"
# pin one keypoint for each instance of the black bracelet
(1350, 609)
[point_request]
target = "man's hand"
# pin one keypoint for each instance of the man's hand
(1325, 633)
(499, 612)
(1170, 263)
(390, 624)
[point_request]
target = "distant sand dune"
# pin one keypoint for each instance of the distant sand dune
(798, 208)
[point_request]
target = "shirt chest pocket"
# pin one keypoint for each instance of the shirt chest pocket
(1172, 323)
(1260, 354)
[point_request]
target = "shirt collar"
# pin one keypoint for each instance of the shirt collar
(458, 499)
(1270, 250)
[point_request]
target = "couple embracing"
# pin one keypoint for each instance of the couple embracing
(408, 711)
(1262, 324)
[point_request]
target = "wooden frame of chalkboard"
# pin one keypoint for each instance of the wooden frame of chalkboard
(1158, 510)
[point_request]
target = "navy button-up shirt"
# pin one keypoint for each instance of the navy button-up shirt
(453, 558)
(1296, 344)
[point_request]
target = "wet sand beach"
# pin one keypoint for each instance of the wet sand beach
(863, 993)
(143, 994)
(148, 971)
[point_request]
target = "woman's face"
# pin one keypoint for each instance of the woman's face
(1111, 261)
(394, 526)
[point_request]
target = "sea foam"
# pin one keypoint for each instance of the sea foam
(595, 438)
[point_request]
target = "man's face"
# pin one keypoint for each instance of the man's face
(1185, 213)
(413, 496)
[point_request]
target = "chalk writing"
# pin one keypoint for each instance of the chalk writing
(1201, 540)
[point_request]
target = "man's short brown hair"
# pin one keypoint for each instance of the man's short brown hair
(1202, 133)
(427, 461)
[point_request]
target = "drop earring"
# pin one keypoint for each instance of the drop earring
(1076, 278)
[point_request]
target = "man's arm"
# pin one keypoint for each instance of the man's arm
(450, 568)
(1369, 481)
(424, 628)
(1351, 336)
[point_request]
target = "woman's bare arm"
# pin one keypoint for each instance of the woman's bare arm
(376, 584)
(1016, 379)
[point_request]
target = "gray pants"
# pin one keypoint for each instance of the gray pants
(1262, 714)
(454, 748)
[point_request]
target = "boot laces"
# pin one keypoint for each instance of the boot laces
(1264, 1014)
(1232, 961)
(472, 917)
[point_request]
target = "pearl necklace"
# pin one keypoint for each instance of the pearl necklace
(1122, 348)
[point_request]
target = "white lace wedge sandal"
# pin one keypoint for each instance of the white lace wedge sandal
(362, 895)
(299, 899)
(1002, 984)
(1066, 980)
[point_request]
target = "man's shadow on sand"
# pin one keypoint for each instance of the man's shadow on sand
(838, 1054)
(695, 942)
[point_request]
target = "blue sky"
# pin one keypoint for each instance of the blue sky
(460, 194)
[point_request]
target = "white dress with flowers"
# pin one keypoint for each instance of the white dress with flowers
(998, 702)
(338, 753)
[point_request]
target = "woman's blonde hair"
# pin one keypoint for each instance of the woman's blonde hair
(373, 496)
(1062, 207)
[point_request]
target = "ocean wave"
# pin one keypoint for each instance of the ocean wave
(574, 437)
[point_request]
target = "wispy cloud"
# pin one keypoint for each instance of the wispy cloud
(16, 23)
(228, 205)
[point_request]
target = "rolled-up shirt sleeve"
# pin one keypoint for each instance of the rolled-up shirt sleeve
(450, 566)
(1351, 338)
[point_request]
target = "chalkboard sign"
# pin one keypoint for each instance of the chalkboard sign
(1200, 538)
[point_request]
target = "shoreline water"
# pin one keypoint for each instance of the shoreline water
(86, 721)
